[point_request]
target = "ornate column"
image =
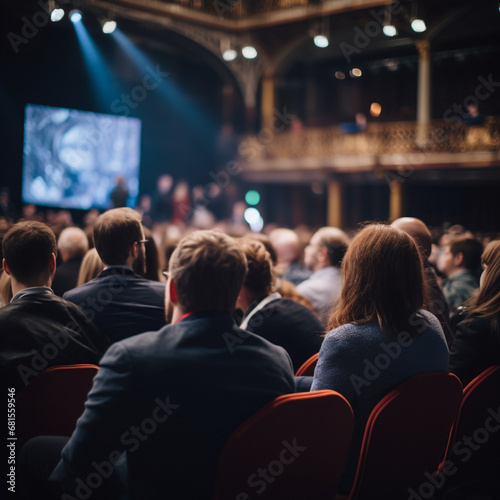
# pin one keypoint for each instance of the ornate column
(268, 98)
(423, 92)
(334, 218)
(396, 200)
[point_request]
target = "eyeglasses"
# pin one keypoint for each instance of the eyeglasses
(166, 274)
(142, 241)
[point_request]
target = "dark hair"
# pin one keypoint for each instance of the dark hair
(470, 248)
(259, 278)
(383, 281)
(27, 248)
(114, 232)
(207, 269)
(266, 241)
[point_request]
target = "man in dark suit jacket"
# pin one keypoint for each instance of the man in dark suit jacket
(120, 302)
(39, 329)
(72, 245)
(170, 399)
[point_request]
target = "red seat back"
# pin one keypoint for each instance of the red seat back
(307, 369)
(293, 448)
(473, 449)
(406, 437)
(53, 401)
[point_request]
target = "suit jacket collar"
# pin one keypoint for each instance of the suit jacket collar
(118, 270)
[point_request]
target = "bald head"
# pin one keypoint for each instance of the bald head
(418, 231)
(72, 242)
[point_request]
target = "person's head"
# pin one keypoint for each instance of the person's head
(383, 280)
(91, 267)
(72, 243)
(287, 245)
(258, 281)
(29, 251)
(327, 247)
(266, 241)
(117, 236)
(486, 303)
(418, 231)
(206, 271)
(461, 253)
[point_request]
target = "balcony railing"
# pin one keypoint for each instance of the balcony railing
(377, 139)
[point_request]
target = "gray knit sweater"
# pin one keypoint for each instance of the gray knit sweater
(364, 363)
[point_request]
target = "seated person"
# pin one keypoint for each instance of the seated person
(39, 329)
(120, 301)
(281, 321)
(170, 399)
(461, 263)
(476, 345)
(379, 334)
(323, 256)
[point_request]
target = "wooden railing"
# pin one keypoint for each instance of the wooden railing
(377, 139)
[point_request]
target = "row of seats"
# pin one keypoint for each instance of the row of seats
(295, 446)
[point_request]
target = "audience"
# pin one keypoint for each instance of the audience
(39, 329)
(460, 262)
(91, 267)
(378, 316)
(281, 321)
(183, 381)
(120, 302)
(72, 245)
(477, 337)
(323, 256)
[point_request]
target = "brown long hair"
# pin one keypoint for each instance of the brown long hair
(486, 303)
(383, 281)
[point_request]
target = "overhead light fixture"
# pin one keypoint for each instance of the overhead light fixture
(321, 37)
(229, 55)
(227, 51)
(108, 26)
(321, 41)
(75, 16)
(390, 30)
(418, 25)
(249, 52)
(56, 15)
(355, 73)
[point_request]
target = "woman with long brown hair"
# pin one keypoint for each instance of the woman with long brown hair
(476, 345)
(379, 333)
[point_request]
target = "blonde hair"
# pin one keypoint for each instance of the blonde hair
(486, 302)
(91, 267)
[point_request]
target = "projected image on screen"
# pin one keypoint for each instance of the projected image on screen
(72, 158)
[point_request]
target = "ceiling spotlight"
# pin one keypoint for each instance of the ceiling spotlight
(56, 15)
(249, 52)
(321, 41)
(75, 16)
(229, 55)
(390, 30)
(108, 26)
(355, 73)
(339, 75)
(418, 25)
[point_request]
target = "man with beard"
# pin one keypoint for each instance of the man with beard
(120, 302)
